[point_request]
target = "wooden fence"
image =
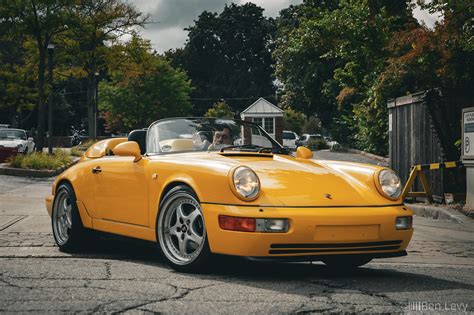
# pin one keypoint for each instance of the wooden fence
(423, 129)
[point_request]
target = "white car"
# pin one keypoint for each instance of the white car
(289, 139)
(15, 141)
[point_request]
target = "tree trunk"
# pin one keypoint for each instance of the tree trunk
(91, 104)
(41, 107)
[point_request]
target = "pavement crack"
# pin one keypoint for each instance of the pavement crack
(108, 272)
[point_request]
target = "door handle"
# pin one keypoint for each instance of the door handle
(96, 170)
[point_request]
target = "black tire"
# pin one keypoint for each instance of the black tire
(68, 231)
(346, 262)
(170, 241)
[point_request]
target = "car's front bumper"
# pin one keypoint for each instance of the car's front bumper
(313, 231)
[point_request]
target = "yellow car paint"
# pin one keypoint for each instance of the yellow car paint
(318, 197)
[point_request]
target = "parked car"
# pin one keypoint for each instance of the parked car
(305, 138)
(330, 142)
(217, 192)
(289, 139)
(14, 141)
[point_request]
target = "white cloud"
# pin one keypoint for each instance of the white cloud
(170, 17)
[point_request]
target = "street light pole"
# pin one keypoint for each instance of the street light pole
(50, 100)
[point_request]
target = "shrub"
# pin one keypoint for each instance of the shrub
(41, 161)
(76, 151)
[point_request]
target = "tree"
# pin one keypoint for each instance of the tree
(220, 110)
(228, 56)
(144, 87)
(329, 56)
(95, 23)
(43, 20)
(312, 125)
(293, 120)
(17, 78)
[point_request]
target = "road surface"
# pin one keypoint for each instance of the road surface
(124, 276)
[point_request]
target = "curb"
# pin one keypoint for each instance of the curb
(370, 155)
(23, 172)
(439, 213)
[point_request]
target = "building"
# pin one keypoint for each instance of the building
(267, 115)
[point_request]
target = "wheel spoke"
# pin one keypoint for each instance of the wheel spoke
(182, 246)
(172, 230)
(196, 238)
(193, 216)
(179, 213)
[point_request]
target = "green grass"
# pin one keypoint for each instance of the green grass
(41, 161)
(76, 151)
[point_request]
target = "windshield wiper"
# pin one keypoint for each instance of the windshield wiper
(251, 147)
(256, 148)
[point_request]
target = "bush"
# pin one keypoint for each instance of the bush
(76, 151)
(41, 161)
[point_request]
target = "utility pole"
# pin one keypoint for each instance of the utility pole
(51, 98)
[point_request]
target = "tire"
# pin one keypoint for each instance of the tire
(181, 231)
(345, 262)
(68, 231)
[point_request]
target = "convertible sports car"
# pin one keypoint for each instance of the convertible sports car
(201, 186)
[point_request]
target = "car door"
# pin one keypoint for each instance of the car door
(121, 190)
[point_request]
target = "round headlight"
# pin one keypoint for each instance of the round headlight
(390, 184)
(246, 183)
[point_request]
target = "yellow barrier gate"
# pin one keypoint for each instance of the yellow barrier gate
(417, 171)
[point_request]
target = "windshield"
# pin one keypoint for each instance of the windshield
(208, 134)
(11, 134)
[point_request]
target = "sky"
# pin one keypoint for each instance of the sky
(170, 17)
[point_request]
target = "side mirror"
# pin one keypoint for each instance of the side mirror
(128, 148)
(304, 153)
(30, 139)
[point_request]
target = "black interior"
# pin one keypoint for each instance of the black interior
(139, 136)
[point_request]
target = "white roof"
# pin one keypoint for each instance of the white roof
(262, 107)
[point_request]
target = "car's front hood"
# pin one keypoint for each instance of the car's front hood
(297, 182)
(288, 181)
(11, 143)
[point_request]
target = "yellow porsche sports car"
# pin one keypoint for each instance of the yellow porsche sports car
(200, 186)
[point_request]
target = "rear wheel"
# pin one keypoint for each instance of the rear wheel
(346, 262)
(68, 231)
(181, 231)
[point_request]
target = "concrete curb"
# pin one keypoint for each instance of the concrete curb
(437, 212)
(23, 172)
(370, 155)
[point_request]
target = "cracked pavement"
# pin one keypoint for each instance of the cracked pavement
(116, 275)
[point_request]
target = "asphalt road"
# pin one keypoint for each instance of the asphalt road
(124, 276)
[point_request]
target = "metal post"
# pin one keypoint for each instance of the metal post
(50, 99)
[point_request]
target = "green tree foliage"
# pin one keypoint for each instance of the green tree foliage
(312, 125)
(329, 56)
(17, 77)
(42, 20)
(95, 23)
(228, 55)
(144, 87)
(293, 120)
(220, 110)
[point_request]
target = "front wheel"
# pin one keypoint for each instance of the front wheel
(68, 231)
(181, 231)
(345, 262)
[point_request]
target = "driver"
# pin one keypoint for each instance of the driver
(222, 138)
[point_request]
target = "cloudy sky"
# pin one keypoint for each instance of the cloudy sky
(170, 17)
